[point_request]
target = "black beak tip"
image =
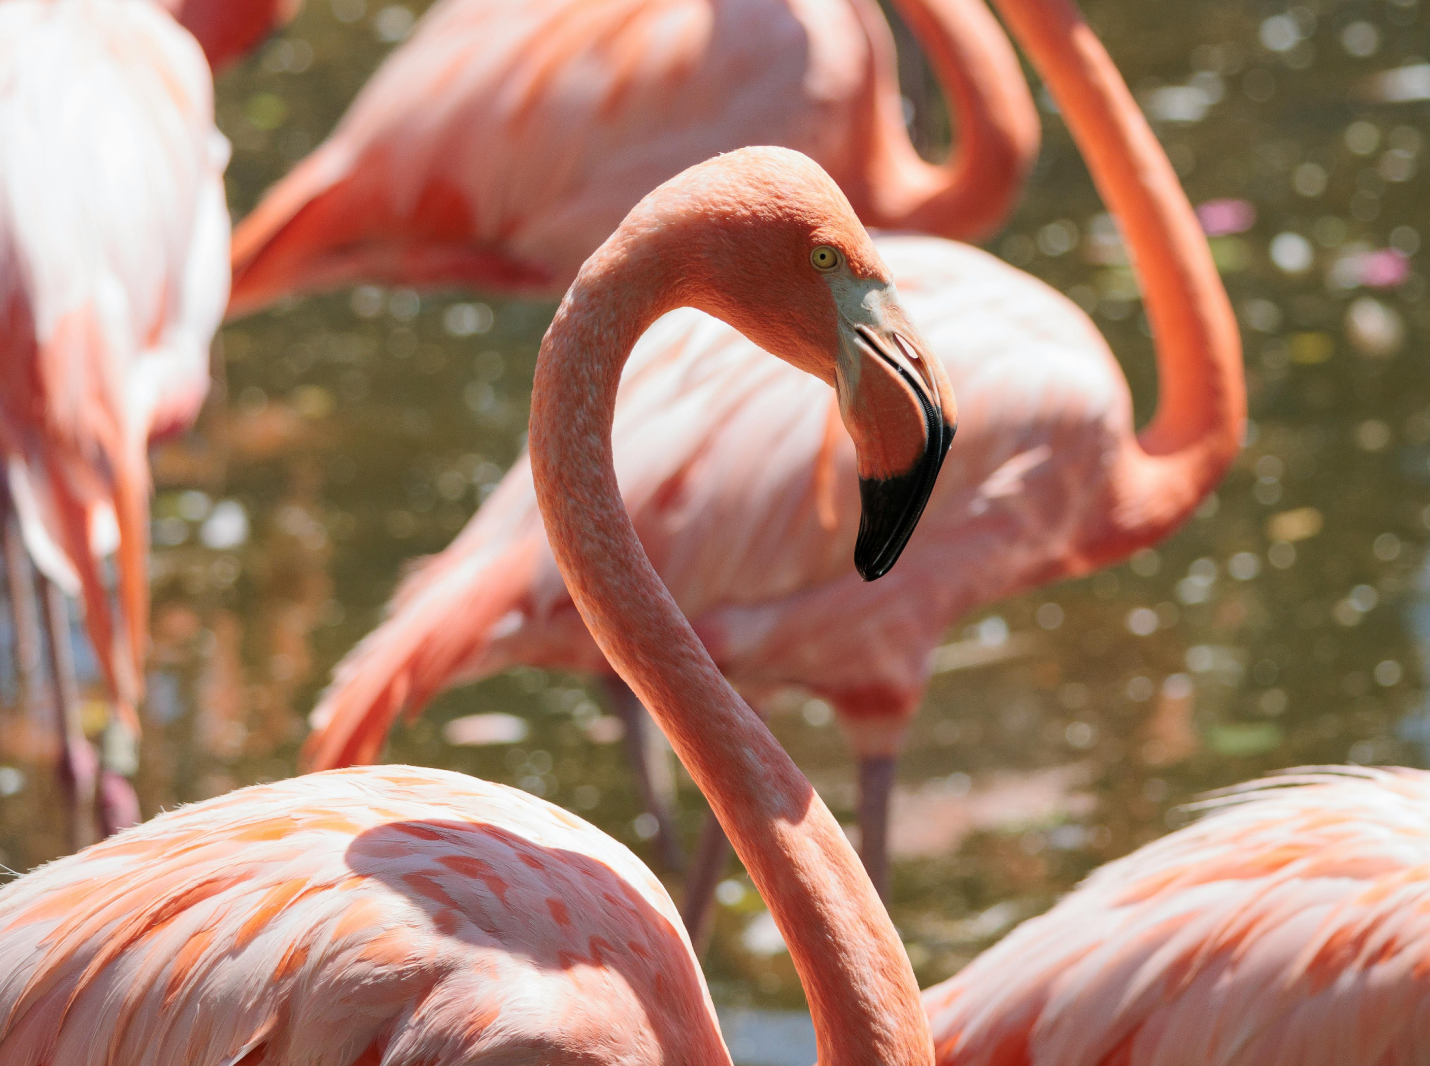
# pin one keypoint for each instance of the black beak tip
(891, 507)
(872, 569)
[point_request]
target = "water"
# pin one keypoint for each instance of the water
(1285, 625)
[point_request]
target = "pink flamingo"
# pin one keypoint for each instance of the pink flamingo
(737, 475)
(504, 142)
(1289, 926)
(113, 278)
(227, 31)
(406, 915)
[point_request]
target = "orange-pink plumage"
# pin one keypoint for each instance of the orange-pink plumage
(1290, 925)
(392, 912)
(502, 143)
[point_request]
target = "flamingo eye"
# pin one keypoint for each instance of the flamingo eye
(825, 258)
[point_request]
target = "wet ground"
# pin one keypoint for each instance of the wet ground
(1288, 623)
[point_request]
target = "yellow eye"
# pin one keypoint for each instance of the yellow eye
(824, 257)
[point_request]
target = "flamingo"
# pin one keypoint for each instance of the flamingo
(113, 279)
(747, 510)
(404, 915)
(504, 142)
(226, 30)
(1288, 926)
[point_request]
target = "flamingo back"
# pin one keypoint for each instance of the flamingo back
(1290, 926)
(113, 241)
(359, 916)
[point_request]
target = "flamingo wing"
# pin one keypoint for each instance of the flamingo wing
(392, 915)
(503, 142)
(113, 240)
(1291, 926)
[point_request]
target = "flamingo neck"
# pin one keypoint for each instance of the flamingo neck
(856, 976)
(1196, 431)
(970, 196)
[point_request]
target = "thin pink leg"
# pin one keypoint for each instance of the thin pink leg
(650, 759)
(697, 906)
(77, 768)
(24, 612)
(876, 783)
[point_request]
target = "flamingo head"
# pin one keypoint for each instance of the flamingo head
(765, 240)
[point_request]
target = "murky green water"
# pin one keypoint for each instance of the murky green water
(1286, 624)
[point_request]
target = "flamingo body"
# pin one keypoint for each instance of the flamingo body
(359, 916)
(113, 278)
(1291, 926)
(501, 144)
(740, 481)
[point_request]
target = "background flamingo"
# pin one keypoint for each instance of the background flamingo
(407, 915)
(1287, 926)
(740, 483)
(227, 31)
(504, 142)
(113, 241)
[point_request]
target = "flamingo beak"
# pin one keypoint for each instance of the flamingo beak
(899, 407)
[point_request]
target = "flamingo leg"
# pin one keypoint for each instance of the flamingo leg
(23, 611)
(650, 756)
(876, 784)
(707, 869)
(712, 854)
(77, 766)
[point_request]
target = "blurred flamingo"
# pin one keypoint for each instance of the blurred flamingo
(227, 30)
(504, 142)
(113, 278)
(401, 915)
(738, 477)
(1288, 926)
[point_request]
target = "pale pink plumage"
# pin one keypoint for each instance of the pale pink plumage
(1289, 927)
(113, 246)
(388, 915)
(501, 144)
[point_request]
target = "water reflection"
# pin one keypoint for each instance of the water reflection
(1284, 625)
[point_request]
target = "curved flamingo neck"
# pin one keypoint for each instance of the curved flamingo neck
(1201, 408)
(856, 976)
(996, 129)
